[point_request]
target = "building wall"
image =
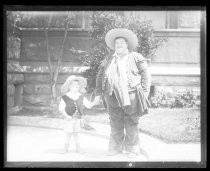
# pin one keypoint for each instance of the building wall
(158, 18)
(182, 47)
(34, 46)
(36, 88)
(14, 75)
(175, 67)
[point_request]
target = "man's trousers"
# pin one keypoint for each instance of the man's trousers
(124, 124)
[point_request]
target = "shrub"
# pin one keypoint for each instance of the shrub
(161, 100)
(186, 99)
(181, 100)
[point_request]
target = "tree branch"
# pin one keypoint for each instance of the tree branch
(48, 55)
(48, 51)
(61, 53)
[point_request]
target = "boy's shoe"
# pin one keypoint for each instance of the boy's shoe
(80, 151)
(144, 153)
(64, 151)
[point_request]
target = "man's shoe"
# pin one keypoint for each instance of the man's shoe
(113, 152)
(131, 155)
(144, 153)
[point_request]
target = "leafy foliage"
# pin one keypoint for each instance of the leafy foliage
(180, 100)
(102, 22)
(161, 100)
(187, 99)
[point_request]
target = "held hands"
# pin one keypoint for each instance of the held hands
(90, 104)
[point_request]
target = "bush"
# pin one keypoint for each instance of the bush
(161, 100)
(102, 22)
(181, 100)
(186, 99)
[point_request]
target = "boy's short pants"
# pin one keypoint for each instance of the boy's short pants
(72, 125)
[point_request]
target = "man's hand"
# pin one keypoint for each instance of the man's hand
(97, 100)
(88, 104)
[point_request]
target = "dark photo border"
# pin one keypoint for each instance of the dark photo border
(145, 7)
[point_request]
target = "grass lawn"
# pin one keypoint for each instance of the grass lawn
(170, 125)
(173, 125)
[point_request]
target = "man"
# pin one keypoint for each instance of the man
(124, 82)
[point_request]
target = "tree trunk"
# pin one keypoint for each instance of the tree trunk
(53, 106)
(53, 99)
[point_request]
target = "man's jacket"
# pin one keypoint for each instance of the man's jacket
(137, 73)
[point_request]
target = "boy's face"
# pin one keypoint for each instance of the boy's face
(74, 86)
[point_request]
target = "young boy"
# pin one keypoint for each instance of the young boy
(72, 106)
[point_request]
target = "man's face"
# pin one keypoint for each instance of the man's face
(121, 45)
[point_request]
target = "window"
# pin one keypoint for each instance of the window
(39, 19)
(152, 91)
(189, 19)
(183, 20)
(82, 20)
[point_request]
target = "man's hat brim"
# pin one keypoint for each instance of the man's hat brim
(120, 32)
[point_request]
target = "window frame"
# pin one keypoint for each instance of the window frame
(173, 21)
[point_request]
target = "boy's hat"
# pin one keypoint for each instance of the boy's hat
(81, 80)
(124, 33)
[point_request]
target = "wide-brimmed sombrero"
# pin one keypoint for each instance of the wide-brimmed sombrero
(121, 32)
(81, 80)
